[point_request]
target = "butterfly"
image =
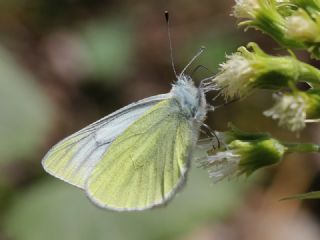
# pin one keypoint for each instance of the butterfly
(138, 157)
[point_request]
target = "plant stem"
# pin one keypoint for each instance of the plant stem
(302, 147)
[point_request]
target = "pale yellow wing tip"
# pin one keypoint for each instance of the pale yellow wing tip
(58, 176)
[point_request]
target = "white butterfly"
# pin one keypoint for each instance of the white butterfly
(137, 157)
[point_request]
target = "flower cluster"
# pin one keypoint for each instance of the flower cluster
(293, 110)
(302, 27)
(243, 153)
(290, 110)
(293, 23)
(245, 70)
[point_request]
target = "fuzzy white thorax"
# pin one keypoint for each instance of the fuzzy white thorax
(191, 99)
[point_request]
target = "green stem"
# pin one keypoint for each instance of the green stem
(302, 147)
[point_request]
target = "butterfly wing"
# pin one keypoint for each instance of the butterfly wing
(73, 158)
(147, 163)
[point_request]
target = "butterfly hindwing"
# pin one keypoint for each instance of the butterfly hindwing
(146, 164)
(73, 158)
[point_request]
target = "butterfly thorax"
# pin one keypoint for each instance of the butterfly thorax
(190, 98)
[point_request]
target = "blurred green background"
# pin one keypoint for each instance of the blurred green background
(67, 63)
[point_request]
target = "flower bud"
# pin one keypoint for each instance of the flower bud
(245, 70)
(243, 153)
(293, 110)
(300, 26)
(292, 23)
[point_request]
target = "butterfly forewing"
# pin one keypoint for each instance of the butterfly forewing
(146, 164)
(73, 158)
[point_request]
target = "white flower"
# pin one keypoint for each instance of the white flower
(234, 76)
(302, 27)
(290, 110)
(242, 154)
(245, 8)
(251, 68)
(223, 164)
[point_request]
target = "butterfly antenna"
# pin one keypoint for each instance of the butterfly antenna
(193, 59)
(166, 14)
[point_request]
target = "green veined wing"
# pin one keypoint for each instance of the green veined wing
(73, 158)
(147, 163)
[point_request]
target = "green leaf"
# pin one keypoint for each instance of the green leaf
(25, 111)
(309, 195)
